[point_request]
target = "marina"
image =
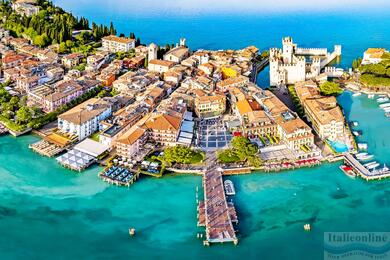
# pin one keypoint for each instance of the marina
(364, 170)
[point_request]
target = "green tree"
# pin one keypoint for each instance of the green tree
(23, 115)
(41, 40)
(330, 89)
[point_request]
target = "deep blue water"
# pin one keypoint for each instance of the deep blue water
(355, 31)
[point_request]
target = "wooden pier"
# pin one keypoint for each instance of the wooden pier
(362, 171)
(215, 212)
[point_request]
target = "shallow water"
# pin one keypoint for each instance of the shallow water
(47, 211)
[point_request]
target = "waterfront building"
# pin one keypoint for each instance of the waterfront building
(292, 64)
(373, 55)
(210, 106)
(114, 43)
(84, 119)
(323, 112)
(130, 143)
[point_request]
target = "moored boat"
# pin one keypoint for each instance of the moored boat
(382, 99)
(385, 105)
(366, 157)
(387, 114)
(229, 188)
(362, 146)
(356, 94)
(348, 171)
(355, 123)
(371, 96)
(373, 166)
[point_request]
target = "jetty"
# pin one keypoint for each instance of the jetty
(215, 213)
(362, 171)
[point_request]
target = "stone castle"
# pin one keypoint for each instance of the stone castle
(292, 64)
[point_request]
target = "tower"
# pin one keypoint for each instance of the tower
(152, 52)
(337, 50)
(288, 49)
(183, 42)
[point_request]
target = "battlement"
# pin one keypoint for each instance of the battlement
(287, 39)
(312, 51)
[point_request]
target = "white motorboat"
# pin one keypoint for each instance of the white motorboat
(229, 188)
(370, 163)
(366, 157)
(373, 166)
(382, 99)
(356, 94)
(385, 105)
(362, 146)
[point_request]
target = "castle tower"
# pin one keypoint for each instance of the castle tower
(337, 50)
(316, 66)
(288, 49)
(183, 42)
(152, 52)
(300, 69)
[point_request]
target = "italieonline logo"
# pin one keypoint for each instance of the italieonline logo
(356, 245)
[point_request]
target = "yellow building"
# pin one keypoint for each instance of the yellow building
(210, 106)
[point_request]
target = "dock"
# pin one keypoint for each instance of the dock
(362, 171)
(218, 214)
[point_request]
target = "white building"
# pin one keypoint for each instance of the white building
(25, 7)
(84, 119)
(373, 56)
(114, 43)
(292, 64)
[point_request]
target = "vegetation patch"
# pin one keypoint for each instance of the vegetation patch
(242, 151)
(329, 88)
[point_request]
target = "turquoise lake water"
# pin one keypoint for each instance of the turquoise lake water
(47, 212)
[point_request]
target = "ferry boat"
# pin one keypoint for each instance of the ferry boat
(356, 94)
(382, 99)
(348, 171)
(362, 146)
(385, 105)
(229, 188)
